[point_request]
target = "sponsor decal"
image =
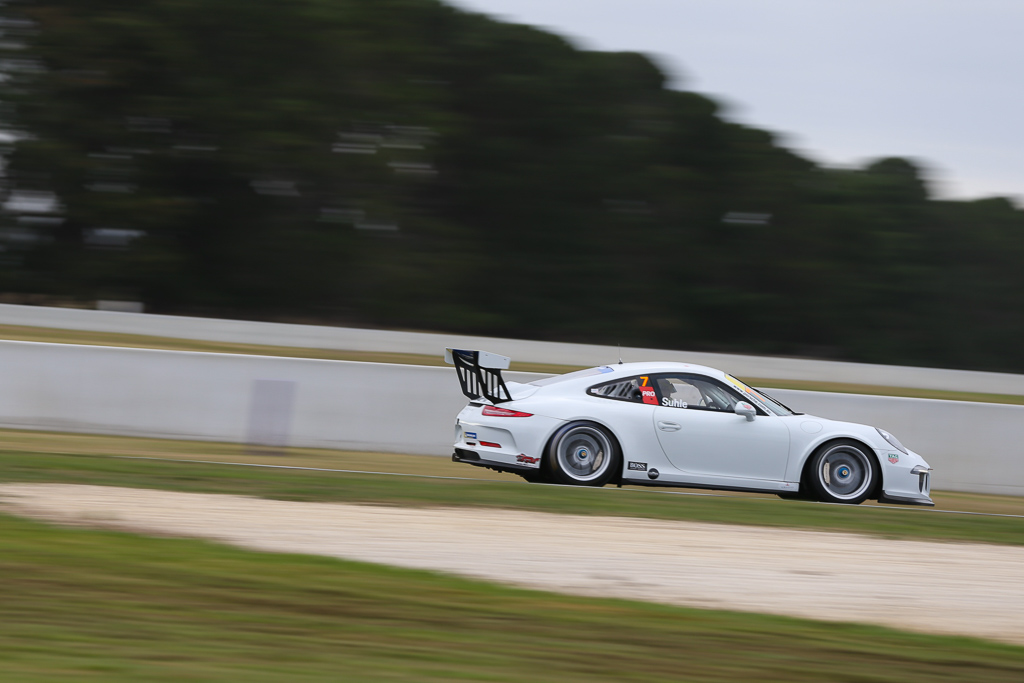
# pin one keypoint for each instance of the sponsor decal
(605, 368)
(638, 466)
(751, 394)
(673, 403)
(653, 474)
(739, 385)
(894, 458)
(649, 396)
(529, 460)
(470, 435)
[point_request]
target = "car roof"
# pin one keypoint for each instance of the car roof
(609, 373)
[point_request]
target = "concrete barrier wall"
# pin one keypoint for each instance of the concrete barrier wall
(222, 397)
(354, 339)
(402, 408)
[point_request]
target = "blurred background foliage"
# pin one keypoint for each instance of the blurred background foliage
(401, 163)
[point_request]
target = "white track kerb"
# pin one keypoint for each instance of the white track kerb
(975, 447)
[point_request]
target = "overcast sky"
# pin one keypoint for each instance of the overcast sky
(940, 81)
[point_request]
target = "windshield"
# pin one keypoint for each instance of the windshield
(766, 402)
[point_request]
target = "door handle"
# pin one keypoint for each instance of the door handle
(669, 426)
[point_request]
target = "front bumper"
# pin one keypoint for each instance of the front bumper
(903, 500)
(905, 480)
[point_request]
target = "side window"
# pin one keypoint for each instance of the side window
(634, 390)
(695, 393)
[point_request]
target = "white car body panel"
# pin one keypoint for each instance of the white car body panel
(520, 439)
(709, 449)
(709, 443)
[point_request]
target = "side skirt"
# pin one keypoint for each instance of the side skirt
(706, 487)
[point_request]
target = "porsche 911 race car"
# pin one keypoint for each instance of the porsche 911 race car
(672, 424)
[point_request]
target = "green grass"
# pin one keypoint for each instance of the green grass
(101, 606)
(56, 443)
(52, 335)
(502, 491)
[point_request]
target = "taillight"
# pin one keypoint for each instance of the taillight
(495, 411)
(490, 444)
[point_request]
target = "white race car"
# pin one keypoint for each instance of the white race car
(672, 424)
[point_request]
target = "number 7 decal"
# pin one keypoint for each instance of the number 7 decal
(647, 393)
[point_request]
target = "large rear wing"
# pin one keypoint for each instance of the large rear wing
(480, 373)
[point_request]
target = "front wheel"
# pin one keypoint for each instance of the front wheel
(583, 454)
(842, 472)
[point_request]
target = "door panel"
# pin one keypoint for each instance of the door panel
(723, 443)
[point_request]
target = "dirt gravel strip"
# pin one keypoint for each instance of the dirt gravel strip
(953, 588)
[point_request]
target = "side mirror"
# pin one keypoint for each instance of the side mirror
(745, 409)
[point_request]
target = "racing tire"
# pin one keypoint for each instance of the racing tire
(583, 454)
(843, 471)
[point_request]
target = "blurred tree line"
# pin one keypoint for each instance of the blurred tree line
(405, 164)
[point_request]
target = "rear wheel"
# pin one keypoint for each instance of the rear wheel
(842, 472)
(584, 454)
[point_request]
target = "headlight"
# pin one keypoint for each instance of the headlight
(893, 441)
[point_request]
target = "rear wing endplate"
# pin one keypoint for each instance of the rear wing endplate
(480, 373)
